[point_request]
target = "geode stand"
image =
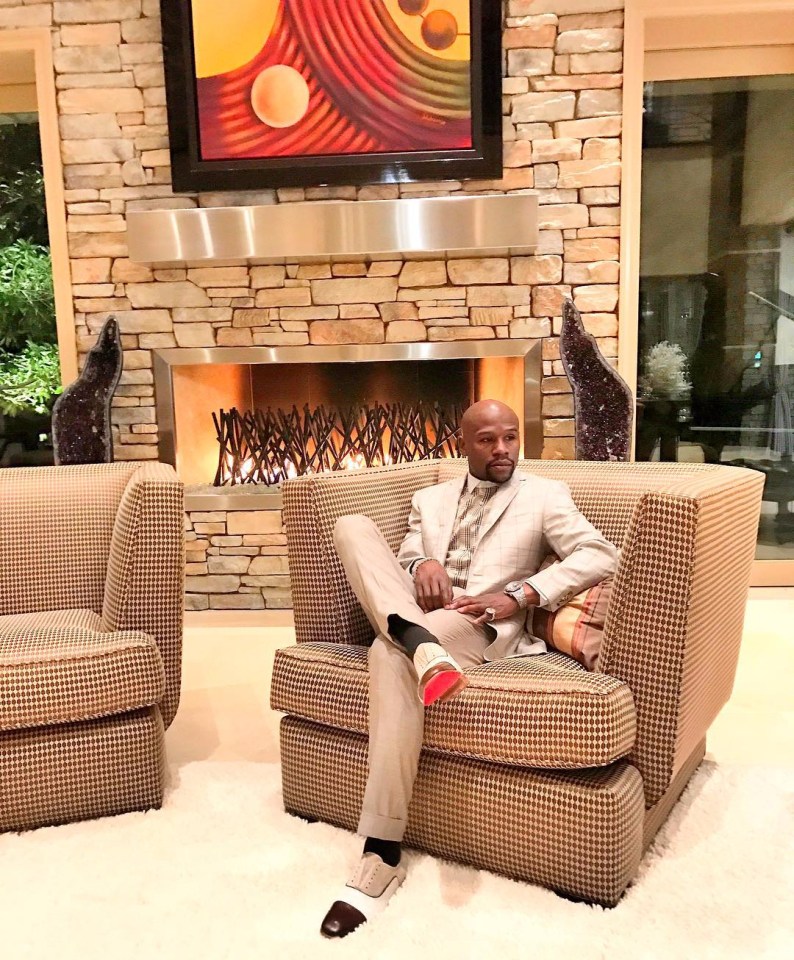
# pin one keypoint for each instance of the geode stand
(81, 431)
(603, 402)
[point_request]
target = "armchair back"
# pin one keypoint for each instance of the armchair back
(56, 525)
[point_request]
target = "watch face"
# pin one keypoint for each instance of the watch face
(513, 586)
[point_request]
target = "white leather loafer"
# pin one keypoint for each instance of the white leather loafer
(365, 896)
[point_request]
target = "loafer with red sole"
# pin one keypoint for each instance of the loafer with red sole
(440, 677)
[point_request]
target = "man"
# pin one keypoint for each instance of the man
(456, 595)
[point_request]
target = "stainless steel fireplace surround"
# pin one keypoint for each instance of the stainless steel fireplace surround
(230, 498)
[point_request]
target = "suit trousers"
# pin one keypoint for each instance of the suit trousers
(396, 713)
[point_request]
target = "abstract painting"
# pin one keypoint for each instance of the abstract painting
(373, 89)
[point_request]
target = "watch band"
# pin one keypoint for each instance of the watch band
(517, 592)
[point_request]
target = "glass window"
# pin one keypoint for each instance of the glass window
(716, 325)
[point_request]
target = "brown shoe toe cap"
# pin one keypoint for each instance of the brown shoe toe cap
(341, 919)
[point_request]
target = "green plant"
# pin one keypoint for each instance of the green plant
(30, 380)
(27, 305)
(29, 368)
(22, 210)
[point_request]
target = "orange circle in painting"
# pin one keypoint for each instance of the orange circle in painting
(413, 7)
(280, 96)
(439, 30)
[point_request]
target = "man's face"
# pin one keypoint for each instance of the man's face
(491, 443)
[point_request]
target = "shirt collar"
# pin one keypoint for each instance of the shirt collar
(472, 483)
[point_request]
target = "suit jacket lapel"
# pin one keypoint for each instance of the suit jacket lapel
(448, 509)
(500, 502)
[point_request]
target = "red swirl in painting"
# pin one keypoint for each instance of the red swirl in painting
(340, 77)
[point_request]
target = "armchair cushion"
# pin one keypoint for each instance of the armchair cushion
(543, 711)
(58, 667)
(80, 617)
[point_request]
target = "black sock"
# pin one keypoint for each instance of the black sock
(389, 851)
(409, 635)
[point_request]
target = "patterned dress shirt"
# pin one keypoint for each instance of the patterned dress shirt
(472, 508)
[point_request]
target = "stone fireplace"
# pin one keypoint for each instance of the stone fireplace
(422, 317)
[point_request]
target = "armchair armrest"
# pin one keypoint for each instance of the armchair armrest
(675, 620)
(56, 524)
(144, 589)
(324, 605)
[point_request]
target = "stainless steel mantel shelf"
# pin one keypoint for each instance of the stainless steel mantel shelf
(336, 228)
(200, 498)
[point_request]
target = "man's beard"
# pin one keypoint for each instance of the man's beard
(499, 478)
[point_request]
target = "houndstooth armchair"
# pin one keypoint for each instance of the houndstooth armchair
(539, 770)
(91, 608)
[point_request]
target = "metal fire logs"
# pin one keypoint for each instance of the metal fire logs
(270, 446)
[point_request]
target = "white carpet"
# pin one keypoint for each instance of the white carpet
(222, 872)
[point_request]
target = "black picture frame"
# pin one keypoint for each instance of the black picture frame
(191, 173)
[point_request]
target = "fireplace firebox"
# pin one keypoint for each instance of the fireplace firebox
(269, 446)
(333, 407)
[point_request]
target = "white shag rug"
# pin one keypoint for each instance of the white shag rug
(221, 872)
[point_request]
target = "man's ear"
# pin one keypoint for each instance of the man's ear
(461, 443)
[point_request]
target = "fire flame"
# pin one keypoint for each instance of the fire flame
(352, 461)
(244, 471)
(356, 461)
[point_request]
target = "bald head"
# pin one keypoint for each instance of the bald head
(490, 439)
(485, 411)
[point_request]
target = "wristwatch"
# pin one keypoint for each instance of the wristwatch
(515, 589)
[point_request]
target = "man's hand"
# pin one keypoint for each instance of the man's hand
(504, 606)
(433, 586)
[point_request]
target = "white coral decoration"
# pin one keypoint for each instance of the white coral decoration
(665, 371)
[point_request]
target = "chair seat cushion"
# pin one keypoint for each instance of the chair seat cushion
(58, 666)
(541, 711)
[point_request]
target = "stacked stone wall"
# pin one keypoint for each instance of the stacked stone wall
(236, 560)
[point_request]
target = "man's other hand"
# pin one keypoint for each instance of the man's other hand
(504, 605)
(433, 586)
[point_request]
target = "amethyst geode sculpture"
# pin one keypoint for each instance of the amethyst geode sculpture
(603, 403)
(81, 430)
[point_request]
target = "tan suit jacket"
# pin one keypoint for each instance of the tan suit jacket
(528, 518)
